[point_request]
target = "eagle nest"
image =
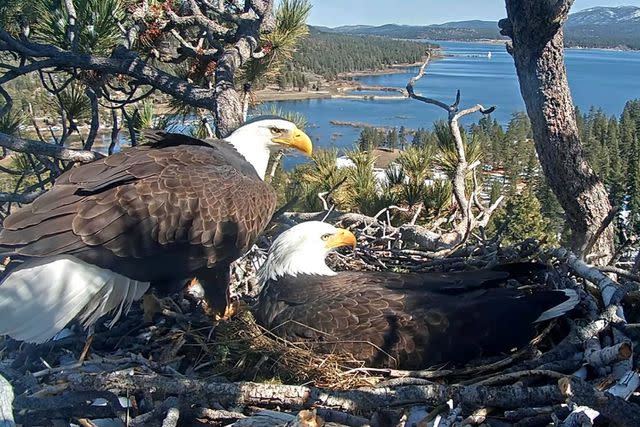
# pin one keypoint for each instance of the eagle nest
(248, 352)
(180, 361)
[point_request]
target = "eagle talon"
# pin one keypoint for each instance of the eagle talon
(229, 311)
(151, 305)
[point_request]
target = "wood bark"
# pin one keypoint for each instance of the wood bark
(617, 411)
(537, 47)
(6, 403)
(52, 150)
(297, 397)
(232, 46)
(229, 109)
(603, 357)
(361, 401)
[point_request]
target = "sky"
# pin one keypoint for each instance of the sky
(333, 13)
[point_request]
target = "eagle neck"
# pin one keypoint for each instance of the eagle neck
(293, 265)
(258, 156)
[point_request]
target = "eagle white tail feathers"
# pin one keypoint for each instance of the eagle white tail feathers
(40, 297)
(560, 309)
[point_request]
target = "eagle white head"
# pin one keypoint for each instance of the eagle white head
(257, 138)
(302, 249)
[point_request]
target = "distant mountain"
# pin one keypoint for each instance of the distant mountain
(474, 24)
(466, 30)
(605, 27)
(609, 27)
(388, 30)
(351, 28)
(606, 16)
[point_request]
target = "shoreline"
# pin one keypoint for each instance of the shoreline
(340, 88)
(393, 69)
(503, 41)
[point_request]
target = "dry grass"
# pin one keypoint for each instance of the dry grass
(247, 351)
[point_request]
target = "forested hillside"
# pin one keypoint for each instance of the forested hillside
(330, 54)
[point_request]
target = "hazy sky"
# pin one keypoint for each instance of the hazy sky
(333, 13)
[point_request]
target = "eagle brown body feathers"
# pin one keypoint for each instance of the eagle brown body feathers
(411, 321)
(165, 211)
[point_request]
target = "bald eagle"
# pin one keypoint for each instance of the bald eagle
(171, 209)
(411, 321)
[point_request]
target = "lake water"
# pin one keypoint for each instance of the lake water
(605, 79)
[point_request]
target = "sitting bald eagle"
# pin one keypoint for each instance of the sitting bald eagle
(174, 208)
(411, 321)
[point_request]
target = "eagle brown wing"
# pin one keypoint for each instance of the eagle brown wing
(148, 213)
(404, 320)
(348, 313)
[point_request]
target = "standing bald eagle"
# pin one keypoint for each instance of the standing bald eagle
(410, 321)
(174, 208)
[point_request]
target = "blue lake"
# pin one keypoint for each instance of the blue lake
(601, 78)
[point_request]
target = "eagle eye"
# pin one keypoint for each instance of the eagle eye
(325, 236)
(275, 130)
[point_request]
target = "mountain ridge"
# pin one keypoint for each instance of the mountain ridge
(586, 28)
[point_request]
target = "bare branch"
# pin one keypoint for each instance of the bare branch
(462, 168)
(51, 150)
(485, 216)
(197, 19)
(191, 50)
(275, 162)
(72, 29)
(130, 126)
(413, 80)
(607, 286)
(10, 171)
(95, 118)
(115, 131)
(475, 109)
(8, 102)
(16, 72)
(596, 236)
(22, 198)
(122, 61)
(362, 400)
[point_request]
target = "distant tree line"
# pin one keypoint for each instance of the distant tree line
(613, 145)
(601, 36)
(394, 138)
(591, 36)
(329, 54)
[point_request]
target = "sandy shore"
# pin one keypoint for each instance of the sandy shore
(266, 95)
(394, 69)
(340, 88)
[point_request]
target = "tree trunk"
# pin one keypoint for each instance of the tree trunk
(229, 111)
(535, 27)
(6, 403)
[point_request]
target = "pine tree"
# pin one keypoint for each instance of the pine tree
(615, 178)
(524, 220)
(402, 137)
(392, 138)
(417, 138)
(629, 140)
(496, 191)
(517, 146)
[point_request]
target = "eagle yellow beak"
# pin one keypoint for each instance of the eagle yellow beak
(341, 238)
(298, 140)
